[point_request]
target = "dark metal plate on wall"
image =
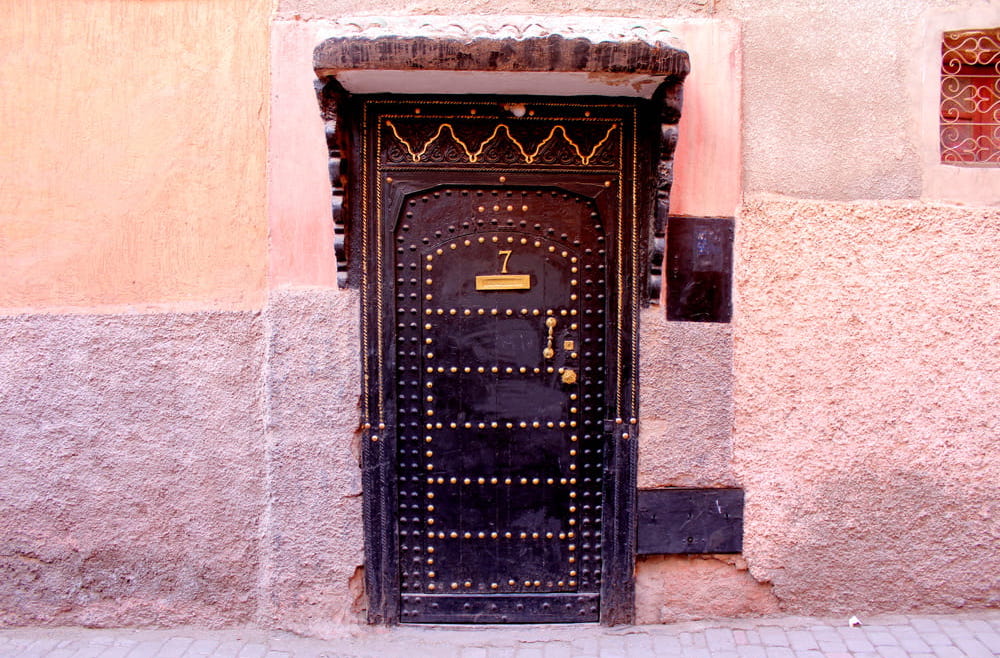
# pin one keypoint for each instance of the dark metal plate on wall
(673, 521)
(699, 269)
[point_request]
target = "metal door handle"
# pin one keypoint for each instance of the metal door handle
(549, 352)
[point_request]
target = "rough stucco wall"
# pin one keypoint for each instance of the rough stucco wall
(675, 588)
(828, 104)
(315, 537)
(866, 419)
(132, 486)
(134, 154)
(687, 409)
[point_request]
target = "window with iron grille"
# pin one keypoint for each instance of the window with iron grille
(970, 97)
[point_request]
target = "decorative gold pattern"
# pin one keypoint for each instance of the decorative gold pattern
(473, 156)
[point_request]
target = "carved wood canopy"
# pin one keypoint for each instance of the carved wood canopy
(500, 56)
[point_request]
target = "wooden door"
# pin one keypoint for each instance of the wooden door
(502, 354)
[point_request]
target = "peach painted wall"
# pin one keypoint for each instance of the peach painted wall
(301, 247)
(133, 137)
(707, 169)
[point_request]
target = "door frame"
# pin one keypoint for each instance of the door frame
(361, 264)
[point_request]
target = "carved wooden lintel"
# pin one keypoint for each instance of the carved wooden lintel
(668, 98)
(331, 97)
(512, 44)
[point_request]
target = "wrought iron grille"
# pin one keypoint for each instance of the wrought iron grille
(970, 97)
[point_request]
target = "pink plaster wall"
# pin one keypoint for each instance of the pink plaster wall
(866, 420)
(707, 163)
(134, 154)
(314, 543)
(133, 469)
(301, 228)
(686, 387)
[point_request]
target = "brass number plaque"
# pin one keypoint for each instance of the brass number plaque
(503, 282)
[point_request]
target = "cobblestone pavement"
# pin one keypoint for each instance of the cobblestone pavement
(975, 635)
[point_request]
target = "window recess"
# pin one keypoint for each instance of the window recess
(970, 98)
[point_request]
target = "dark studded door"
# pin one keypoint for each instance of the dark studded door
(501, 409)
(502, 329)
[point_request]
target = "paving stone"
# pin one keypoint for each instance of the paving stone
(950, 651)
(751, 651)
(175, 647)
(639, 644)
(202, 647)
(973, 648)
(229, 648)
(558, 650)
(892, 651)
(61, 652)
(924, 625)
(253, 651)
(857, 642)
(801, 640)
(991, 640)
(978, 625)
(666, 645)
(780, 652)
(528, 652)
(881, 638)
(611, 646)
(963, 635)
(473, 652)
(910, 640)
(719, 638)
(146, 649)
(835, 646)
(773, 636)
(936, 639)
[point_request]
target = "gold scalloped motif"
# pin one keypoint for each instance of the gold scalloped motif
(473, 156)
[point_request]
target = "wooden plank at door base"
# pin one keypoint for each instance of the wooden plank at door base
(486, 609)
